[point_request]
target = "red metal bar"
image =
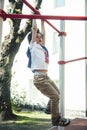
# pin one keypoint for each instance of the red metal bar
(64, 62)
(37, 12)
(52, 17)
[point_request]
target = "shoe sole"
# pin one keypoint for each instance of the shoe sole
(62, 125)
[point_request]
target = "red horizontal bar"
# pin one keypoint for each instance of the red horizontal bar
(38, 13)
(52, 17)
(64, 62)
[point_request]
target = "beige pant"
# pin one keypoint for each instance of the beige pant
(49, 89)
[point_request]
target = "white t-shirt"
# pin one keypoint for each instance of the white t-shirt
(39, 57)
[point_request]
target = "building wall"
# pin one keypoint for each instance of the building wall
(74, 48)
(86, 55)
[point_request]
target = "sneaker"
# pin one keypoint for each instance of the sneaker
(47, 111)
(60, 121)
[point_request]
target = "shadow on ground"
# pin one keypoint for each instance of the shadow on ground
(26, 123)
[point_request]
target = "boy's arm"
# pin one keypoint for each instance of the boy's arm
(43, 31)
(34, 30)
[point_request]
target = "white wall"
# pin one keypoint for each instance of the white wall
(74, 48)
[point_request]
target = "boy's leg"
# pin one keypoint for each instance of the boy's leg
(48, 88)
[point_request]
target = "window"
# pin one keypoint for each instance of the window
(59, 3)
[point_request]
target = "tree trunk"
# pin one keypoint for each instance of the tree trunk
(8, 50)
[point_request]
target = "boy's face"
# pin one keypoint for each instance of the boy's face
(39, 38)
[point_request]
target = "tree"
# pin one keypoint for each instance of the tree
(8, 49)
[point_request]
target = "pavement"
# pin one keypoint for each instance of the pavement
(76, 124)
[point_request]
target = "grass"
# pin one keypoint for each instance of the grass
(29, 117)
(29, 120)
